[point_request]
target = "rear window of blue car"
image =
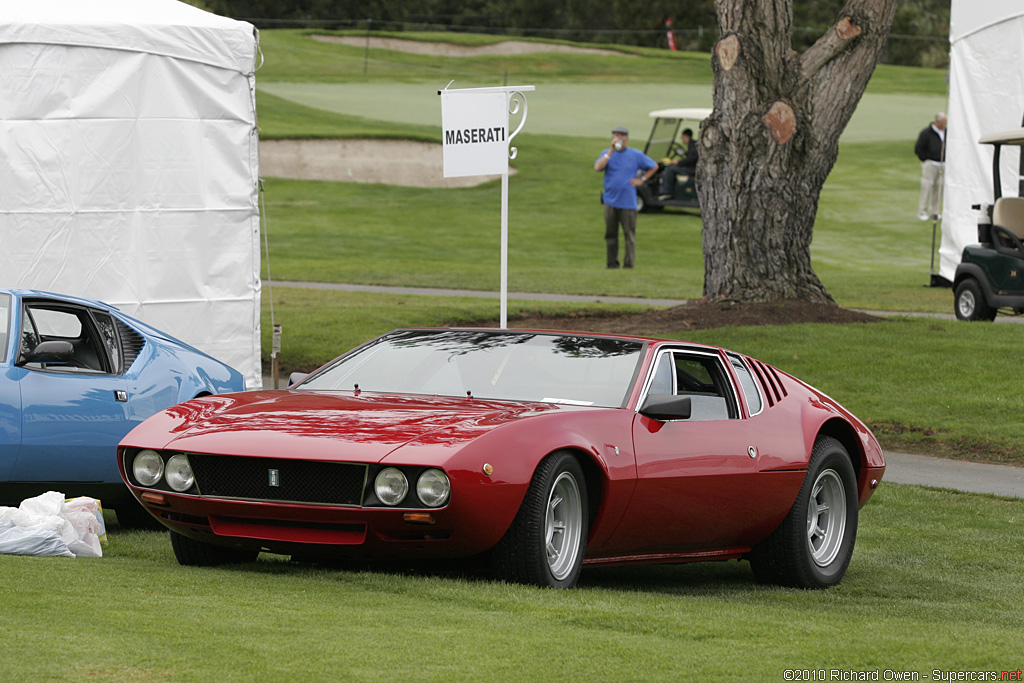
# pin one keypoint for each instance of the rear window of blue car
(517, 366)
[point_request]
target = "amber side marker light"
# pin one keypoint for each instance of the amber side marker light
(154, 498)
(419, 518)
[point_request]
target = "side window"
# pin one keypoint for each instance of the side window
(29, 338)
(662, 383)
(702, 377)
(108, 333)
(747, 384)
(43, 323)
(5, 325)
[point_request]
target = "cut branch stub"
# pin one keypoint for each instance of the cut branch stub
(781, 121)
(727, 49)
(846, 29)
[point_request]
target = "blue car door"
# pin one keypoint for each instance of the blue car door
(74, 400)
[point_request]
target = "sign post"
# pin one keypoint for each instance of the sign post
(476, 141)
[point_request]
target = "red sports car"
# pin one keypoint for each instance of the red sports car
(543, 452)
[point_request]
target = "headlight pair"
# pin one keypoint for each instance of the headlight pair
(148, 468)
(392, 486)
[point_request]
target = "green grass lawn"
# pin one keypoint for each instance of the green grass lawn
(908, 378)
(868, 253)
(868, 249)
(935, 579)
(934, 584)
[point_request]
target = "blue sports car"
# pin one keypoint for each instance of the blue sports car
(76, 375)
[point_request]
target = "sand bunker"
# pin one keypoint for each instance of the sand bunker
(508, 47)
(392, 162)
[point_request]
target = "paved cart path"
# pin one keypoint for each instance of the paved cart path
(976, 477)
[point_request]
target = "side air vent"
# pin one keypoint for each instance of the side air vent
(770, 381)
(131, 343)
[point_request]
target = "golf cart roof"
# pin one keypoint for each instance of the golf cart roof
(1014, 136)
(695, 113)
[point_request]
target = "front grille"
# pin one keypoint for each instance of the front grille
(298, 481)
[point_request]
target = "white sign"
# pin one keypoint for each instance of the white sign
(476, 141)
(475, 132)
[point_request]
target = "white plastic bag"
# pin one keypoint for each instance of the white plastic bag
(22, 540)
(49, 525)
(86, 517)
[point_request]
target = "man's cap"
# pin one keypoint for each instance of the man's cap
(621, 130)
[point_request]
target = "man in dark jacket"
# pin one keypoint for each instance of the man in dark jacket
(931, 150)
(686, 166)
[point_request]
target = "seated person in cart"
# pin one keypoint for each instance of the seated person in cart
(686, 166)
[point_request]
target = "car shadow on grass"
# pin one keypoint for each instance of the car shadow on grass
(719, 578)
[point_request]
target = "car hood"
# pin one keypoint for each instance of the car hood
(325, 425)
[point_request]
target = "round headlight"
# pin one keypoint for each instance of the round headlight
(433, 488)
(179, 473)
(147, 467)
(391, 486)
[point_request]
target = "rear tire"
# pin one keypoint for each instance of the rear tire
(192, 553)
(813, 545)
(546, 542)
(969, 302)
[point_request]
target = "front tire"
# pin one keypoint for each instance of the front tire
(969, 302)
(546, 542)
(813, 545)
(192, 553)
(131, 515)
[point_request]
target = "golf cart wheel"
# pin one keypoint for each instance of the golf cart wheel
(644, 201)
(969, 302)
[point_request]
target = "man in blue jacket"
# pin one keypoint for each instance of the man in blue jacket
(621, 165)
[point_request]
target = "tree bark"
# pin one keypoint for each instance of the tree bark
(773, 138)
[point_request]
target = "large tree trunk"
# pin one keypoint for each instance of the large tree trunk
(773, 138)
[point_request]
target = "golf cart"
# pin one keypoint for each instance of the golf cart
(990, 276)
(665, 147)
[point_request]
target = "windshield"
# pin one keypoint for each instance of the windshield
(516, 366)
(663, 135)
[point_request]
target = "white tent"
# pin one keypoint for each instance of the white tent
(986, 95)
(129, 164)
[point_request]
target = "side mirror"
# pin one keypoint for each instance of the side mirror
(50, 352)
(664, 407)
(296, 377)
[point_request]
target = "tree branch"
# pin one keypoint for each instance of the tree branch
(831, 44)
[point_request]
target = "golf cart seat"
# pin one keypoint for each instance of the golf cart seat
(1009, 213)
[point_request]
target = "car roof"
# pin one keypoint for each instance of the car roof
(20, 293)
(1014, 136)
(695, 113)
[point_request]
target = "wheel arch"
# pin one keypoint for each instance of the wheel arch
(843, 432)
(972, 271)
